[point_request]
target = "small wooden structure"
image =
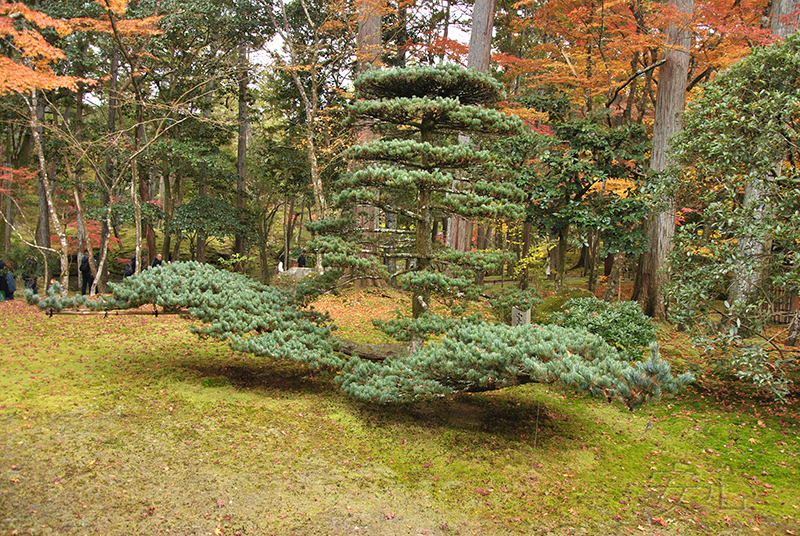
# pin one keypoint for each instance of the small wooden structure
(784, 307)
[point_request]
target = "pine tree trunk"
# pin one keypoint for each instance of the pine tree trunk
(422, 298)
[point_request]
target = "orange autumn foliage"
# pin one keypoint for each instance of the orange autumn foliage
(30, 68)
(145, 26)
(604, 53)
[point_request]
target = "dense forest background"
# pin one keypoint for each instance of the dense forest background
(219, 132)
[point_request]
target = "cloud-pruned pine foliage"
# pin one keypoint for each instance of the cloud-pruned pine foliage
(471, 355)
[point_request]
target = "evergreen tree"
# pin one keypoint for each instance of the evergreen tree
(413, 168)
(470, 355)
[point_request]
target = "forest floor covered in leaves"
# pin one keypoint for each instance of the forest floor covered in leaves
(132, 425)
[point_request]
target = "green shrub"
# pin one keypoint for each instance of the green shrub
(510, 297)
(553, 304)
(622, 325)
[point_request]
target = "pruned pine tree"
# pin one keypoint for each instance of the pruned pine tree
(470, 355)
(410, 171)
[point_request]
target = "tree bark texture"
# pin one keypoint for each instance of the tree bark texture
(369, 33)
(614, 278)
(241, 147)
(753, 250)
(459, 229)
(670, 103)
(784, 20)
(36, 130)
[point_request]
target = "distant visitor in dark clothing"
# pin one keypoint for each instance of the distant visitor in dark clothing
(86, 273)
(4, 292)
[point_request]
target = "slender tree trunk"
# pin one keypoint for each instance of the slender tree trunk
(593, 258)
(43, 225)
(526, 248)
(562, 257)
(391, 262)
(137, 205)
(288, 224)
(202, 173)
(670, 102)
(33, 107)
(111, 130)
(84, 237)
(241, 151)
(143, 184)
(169, 214)
(8, 213)
(615, 277)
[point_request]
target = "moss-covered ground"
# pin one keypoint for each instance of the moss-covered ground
(132, 425)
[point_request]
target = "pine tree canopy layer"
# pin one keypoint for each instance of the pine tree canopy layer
(448, 81)
(444, 115)
(471, 355)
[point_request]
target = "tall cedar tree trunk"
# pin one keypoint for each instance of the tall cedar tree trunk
(459, 229)
(241, 147)
(748, 279)
(368, 56)
(670, 102)
(781, 9)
